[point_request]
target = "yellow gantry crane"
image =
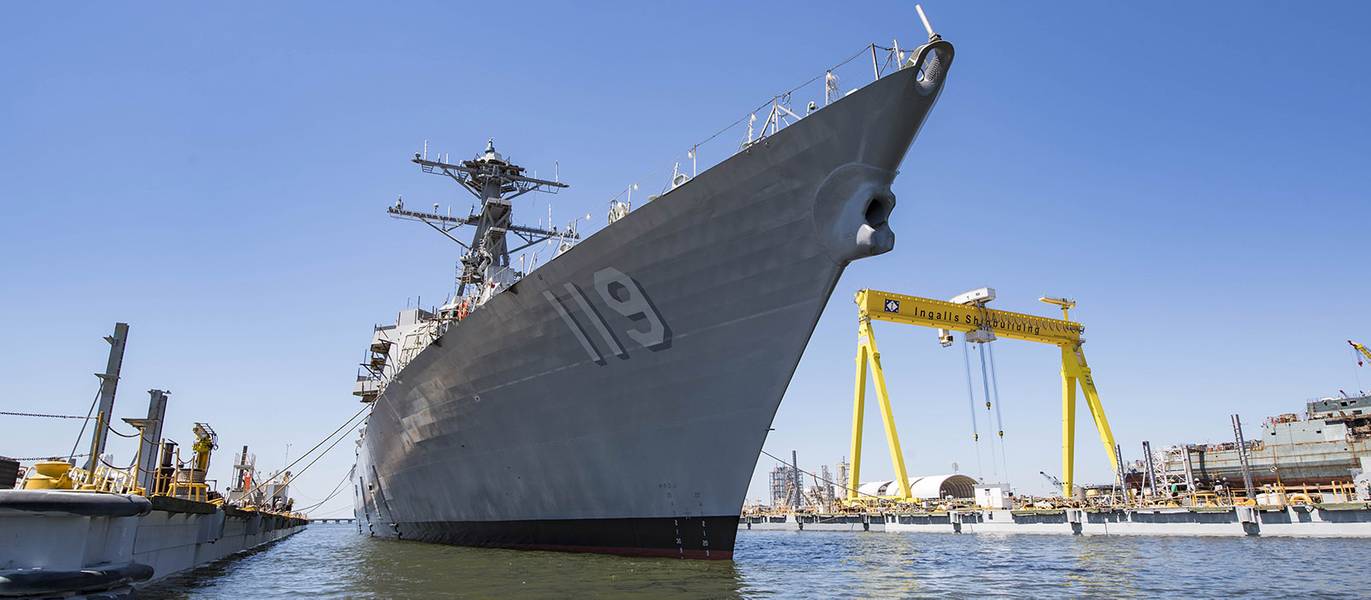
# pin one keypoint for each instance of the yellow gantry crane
(968, 314)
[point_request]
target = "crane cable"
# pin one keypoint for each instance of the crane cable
(999, 419)
(971, 399)
(1356, 354)
(985, 391)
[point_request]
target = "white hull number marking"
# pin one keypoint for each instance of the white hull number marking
(623, 295)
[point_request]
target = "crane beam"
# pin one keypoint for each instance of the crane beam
(939, 314)
(876, 305)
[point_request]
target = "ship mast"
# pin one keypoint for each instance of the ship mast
(495, 182)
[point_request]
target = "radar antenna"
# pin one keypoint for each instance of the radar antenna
(495, 181)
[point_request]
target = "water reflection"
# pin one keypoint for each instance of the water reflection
(334, 561)
(405, 569)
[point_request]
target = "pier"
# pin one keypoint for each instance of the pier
(1334, 520)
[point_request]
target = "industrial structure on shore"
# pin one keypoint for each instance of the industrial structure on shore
(1328, 443)
(1300, 476)
(98, 530)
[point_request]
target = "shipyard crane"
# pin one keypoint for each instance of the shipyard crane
(205, 443)
(1052, 479)
(968, 314)
(1360, 350)
(1058, 483)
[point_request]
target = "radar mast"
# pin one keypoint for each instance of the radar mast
(495, 181)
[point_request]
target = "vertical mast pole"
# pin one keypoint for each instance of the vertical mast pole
(1151, 468)
(922, 17)
(1189, 473)
(1118, 473)
(109, 380)
(1242, 455)
(795, 481)
(151, 439)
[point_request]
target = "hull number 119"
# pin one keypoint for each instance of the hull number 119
(621, 294)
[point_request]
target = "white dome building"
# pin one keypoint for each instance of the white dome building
(927, 487)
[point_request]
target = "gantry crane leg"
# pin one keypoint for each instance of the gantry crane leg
(1068, 425)
(868, 351)
(887, 415)
(858, 414)
(1092, 399)
(1076, 371)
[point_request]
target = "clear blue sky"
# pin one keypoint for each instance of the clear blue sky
(1196, 175)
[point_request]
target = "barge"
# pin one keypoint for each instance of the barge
(101, 531)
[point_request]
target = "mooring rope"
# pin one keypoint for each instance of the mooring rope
(829, 482)
(325, 451)
(336, 489)
(345, 424)
(82, 433)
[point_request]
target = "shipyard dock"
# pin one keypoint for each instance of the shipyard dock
(99, 530)
(65, 544)
(1349, 520)
(1300, 476)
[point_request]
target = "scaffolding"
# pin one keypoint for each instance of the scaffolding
(782, 482)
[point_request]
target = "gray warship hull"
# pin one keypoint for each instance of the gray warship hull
(616, 398)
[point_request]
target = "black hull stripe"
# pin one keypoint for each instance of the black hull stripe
(676, 537)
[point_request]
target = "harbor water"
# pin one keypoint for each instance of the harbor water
(334, 561)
